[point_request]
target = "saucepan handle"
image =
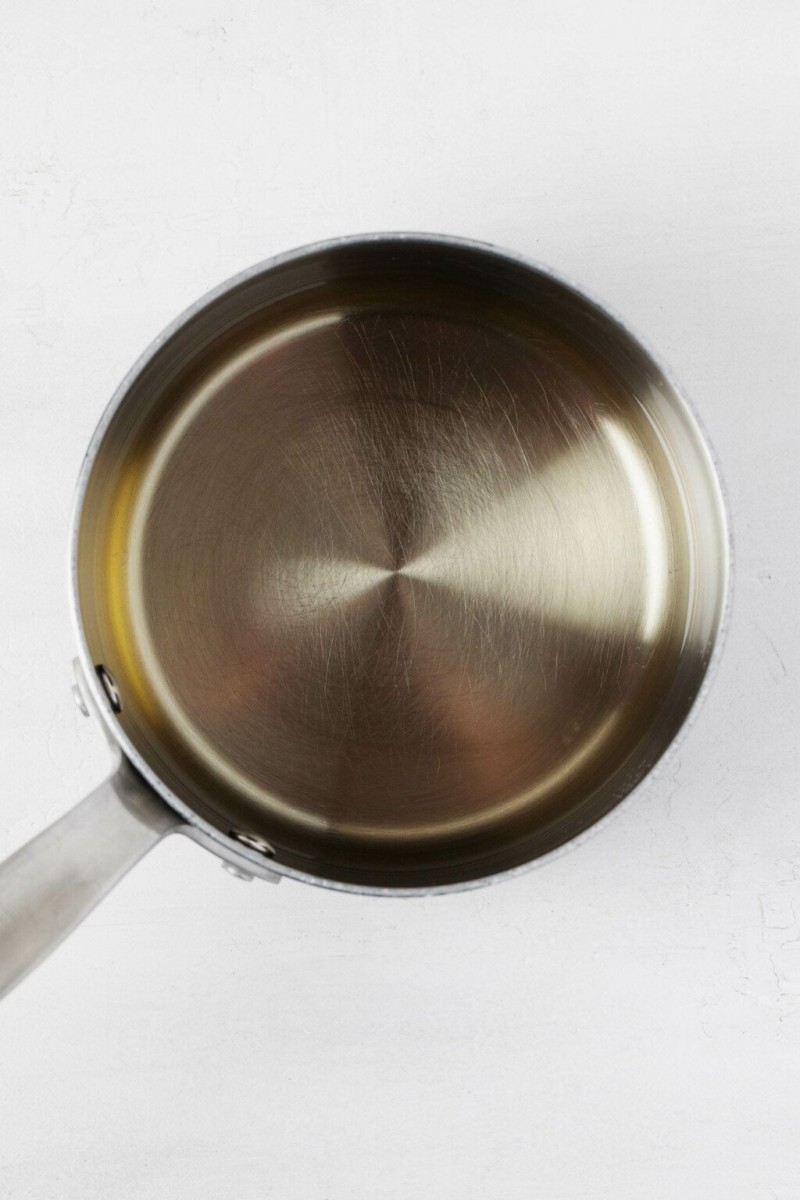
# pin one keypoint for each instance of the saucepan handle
(49, 885)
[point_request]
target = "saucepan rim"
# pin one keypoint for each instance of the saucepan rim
(206, 833)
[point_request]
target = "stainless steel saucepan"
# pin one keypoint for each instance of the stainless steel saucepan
(396, 563)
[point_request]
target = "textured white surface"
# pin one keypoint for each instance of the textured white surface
(623, 1023)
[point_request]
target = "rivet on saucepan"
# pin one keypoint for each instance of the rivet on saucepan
(109, 687)
(80, 703)
(253, 842)
(238, 872)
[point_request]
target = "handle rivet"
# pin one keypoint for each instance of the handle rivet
(109, 687)
(237, 872)
(80, 703)
(253, 842)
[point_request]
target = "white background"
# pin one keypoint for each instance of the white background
(623, 1023)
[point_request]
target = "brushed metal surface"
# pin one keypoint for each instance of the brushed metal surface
(50, 885)
(405, 558)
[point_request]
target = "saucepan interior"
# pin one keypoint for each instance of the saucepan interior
(403, 556)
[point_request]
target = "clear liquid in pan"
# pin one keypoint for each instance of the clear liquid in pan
(395, 587)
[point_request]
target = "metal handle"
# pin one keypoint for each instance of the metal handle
(49, 885)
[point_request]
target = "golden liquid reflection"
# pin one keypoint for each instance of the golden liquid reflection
(394, 593)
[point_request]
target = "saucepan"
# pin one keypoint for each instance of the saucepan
(397, 562)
